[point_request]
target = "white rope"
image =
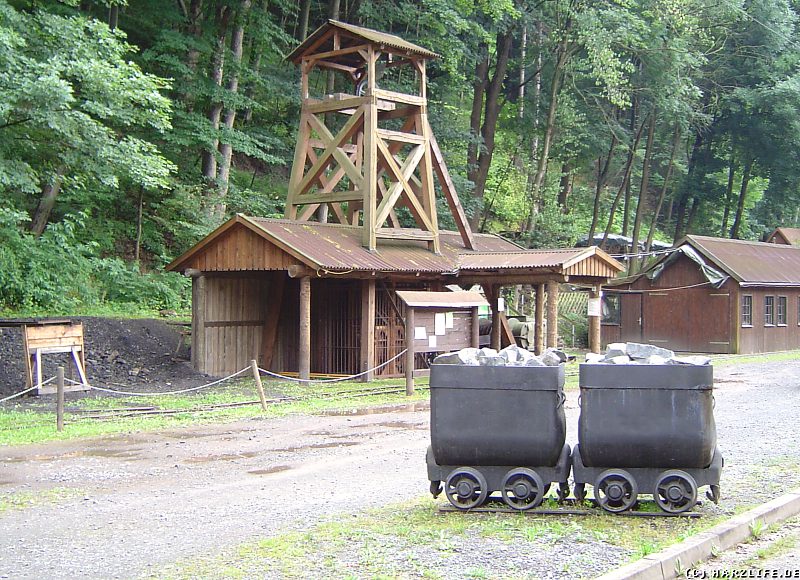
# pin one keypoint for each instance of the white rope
(641, 254)
(610, 290)
(336, 380)
(20, 393)
(169, 392)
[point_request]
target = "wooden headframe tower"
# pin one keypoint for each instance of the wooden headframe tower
(366, 151)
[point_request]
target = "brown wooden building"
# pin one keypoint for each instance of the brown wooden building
(259, 285)
(711, 295)
(788, 236)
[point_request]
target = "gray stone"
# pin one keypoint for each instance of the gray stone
(619, 360)
(486, 351)
(550, 358)
(637, 350)
(491, 361)
(593, 358)
(654, 359)
(615, 349)
(559, 353)
(511, 354)
(534, 362)
(450, 358)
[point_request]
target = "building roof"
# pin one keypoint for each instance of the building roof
(310, 44)
(337, 249)
(751, 263)
(785, 236)
(457, 299)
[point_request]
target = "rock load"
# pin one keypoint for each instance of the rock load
(511, 356)
(626, 353)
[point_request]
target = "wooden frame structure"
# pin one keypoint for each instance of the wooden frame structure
(54, 338)
(362, 154)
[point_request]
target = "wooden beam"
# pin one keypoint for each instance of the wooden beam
(401, 175)
(538, 329)
(399, 97)
(594, 322)
(506, 336)
(426, 174)
(304, 346)
(416, 208)
(333, 105)
(409, 370)
(272, 315)
(367, 328)
(370, 167)
(334, 196)
(476, 328)
(198, 355)
(401, 136)
(404, 234)
(552, 314)
(298, 165)
(449, 190)
(333, 150)
(335, 66)
(298, 271)
(340, 52)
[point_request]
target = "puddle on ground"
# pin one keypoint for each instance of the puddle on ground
(222, 457)
(728, 381)
(396, 425)
(191, 435)
(128, 454)
(268, 470)
(407, 408)
(316, 446)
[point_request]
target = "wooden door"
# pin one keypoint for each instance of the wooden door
(631, 317)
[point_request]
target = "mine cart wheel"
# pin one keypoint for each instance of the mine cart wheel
(579, 491)
(713, 493)
(466, 488)
(563, 491)
(436, 488)
(676, 491)
(615, 490)
(522, 489)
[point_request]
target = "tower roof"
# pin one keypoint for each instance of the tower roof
(321, 40)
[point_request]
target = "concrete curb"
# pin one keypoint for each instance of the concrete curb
(673, 561)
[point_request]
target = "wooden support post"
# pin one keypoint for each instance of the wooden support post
(199, 323)
(370, 168)
(304, 364)
(594, 322)
(60, 398)
(259, 385)
(497, 323)
(367, 328)
(409, 351)
(538, 332)
(476, 328)
(552, 314)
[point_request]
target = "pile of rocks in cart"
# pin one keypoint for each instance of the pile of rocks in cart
(626, 353)
(512, 356)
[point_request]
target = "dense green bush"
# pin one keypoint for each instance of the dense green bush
(55, 272)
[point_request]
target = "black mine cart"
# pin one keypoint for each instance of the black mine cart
(646, 429)
(497, 428)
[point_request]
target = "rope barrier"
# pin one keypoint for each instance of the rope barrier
(14, 396)
(179, 392)
(336, 380)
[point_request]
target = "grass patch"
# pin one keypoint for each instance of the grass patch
(27, 499)
(727, 359)
(393, 540)
(36, 422)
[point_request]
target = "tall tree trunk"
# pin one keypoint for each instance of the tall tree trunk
(47, 201)
(113, 16)
(602, 179)
(625, 180)
(490, 116)
(479, 84)
(537, 98)
(737, 221)
(139, 216)
(562, 57)
(641, 205)
(565, 187)
(225, 148)
(728, 195)
(686, 193)
(209, 162)
(626, 206)
(662, 194)
(305, 11)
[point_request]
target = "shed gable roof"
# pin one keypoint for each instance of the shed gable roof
(751, 263)
(785, 236)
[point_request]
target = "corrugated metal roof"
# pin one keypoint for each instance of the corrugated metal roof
(338, 248)
(752, 263)
(791, 235)
(458, 299)
(556, 259)
(368, 34)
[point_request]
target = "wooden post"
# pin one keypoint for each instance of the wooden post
(199, 323)
(476, 328)
(497, 324)
(538, 332)
(552, 314)
(304, 361)
(60, 398)
(367, 328)
(409, 351)
(259, 385)
(594, 323)
(370, 173)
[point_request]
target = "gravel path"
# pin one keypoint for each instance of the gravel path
(142, 501)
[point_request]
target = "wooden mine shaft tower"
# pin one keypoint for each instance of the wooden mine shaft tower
(365, 153)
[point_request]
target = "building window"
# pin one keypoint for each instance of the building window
(611, 310)
(747, 310)
(769, 311)
(781, 310)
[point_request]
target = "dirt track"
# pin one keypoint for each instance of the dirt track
(147, 500)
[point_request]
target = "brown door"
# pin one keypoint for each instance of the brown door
(631, 317)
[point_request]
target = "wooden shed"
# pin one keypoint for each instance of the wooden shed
(787, 236)
(711, 295)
